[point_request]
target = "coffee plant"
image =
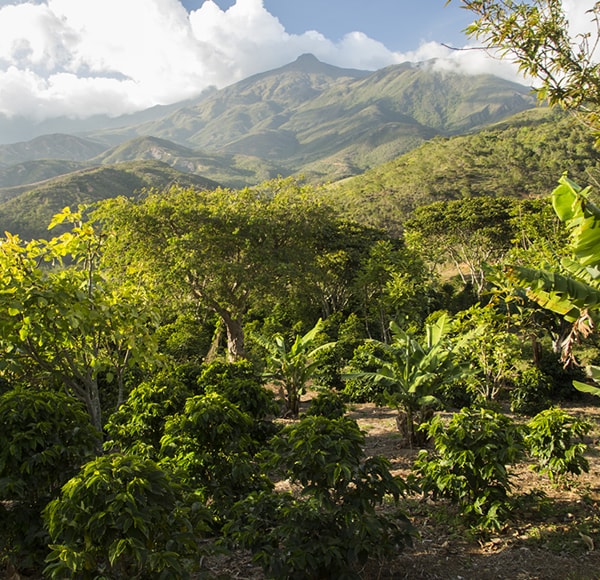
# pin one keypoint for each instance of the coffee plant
(549, 439)
(124, 517)
(45, 437)
(468, 465)
(333, 522)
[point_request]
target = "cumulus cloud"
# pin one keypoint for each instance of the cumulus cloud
(77, 58)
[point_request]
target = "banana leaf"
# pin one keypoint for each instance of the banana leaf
(562, 294)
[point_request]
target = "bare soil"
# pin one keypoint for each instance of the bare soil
(554, 536)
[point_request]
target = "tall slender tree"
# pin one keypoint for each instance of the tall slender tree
(62, 322)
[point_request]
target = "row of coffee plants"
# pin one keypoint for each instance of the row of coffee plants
(197, 465)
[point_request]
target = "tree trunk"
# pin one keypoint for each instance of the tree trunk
(216, 341)
(235, 339)
(95, 408)
(293, 401)
(235, 333)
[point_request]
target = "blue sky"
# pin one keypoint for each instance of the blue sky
(79, 58)
(399, 24)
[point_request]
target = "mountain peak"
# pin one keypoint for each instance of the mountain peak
(307, 58)
(310, 64)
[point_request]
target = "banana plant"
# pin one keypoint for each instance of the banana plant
(292, 367)
(410, 373)
(574, 292)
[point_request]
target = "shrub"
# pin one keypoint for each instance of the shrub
(123, 517)
(327, 404)
(333, 360)
(561, 377)
(469, 464)
(531, 392)
(333, 523)
(239, 383)
(550, 440)
(366, 359)
(456, 394)
(138, 425)
(210, 447)
(45, 436)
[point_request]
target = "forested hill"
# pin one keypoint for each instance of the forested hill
(27, 211)
(523, 156)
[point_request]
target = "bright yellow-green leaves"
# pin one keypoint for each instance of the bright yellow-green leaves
(62, 321)
(539, 38)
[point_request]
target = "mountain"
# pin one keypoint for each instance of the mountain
(308, 112)
(229, 170)
(523, 156)
(39, 170)
(307, 118)
(54, 146)
(13, 129)
(27, 210)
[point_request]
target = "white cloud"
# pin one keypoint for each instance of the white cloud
(469, 59)
(84, 57)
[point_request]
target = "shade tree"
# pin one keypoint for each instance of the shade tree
(557, 56)
(220, 250)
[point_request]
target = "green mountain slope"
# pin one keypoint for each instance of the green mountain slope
(308, 112)
(522, 156)
(29, 212)
(53, 146)
(33, 171)
(228, 170)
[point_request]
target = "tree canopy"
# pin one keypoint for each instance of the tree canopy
(221, 250)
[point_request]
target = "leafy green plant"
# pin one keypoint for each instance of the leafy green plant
(210, 447)
(241, 384)
(411, 371)
(468, 466)
(563, 378)
(531, 392)
(138, 425)
(45, 436)
(359, 387)
(573, 290)
(293, 366)
(70, 324)
(490, 347)
(123, 517)
(333, 522)
(327, 404)
(549, 439)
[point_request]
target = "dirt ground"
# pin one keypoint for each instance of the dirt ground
(557, 538)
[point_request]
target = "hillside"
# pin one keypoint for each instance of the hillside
(307, 118)
(522, 156)
(53, 146)
(28, 172)
(29, 212)
(228, 170)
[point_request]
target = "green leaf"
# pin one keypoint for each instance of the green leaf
(587, 388)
